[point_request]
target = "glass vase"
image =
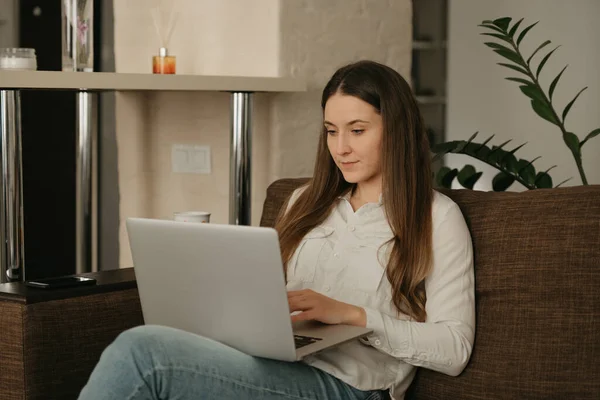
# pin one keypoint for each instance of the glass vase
(78, 35)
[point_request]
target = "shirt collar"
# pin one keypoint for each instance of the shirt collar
(346, 196)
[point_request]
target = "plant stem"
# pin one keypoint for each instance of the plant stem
(579, 163)
(561, 124)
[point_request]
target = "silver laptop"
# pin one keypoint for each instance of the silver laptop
(224, 282)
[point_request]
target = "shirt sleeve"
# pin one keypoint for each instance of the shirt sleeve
(444, 342)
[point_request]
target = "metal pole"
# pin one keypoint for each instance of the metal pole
(84, 189)
(240, 188)
(12, 266)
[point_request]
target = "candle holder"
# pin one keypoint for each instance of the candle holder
(18, 59)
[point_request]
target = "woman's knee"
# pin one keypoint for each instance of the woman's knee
(146, 341)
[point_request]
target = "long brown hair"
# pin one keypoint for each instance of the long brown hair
(407, 187)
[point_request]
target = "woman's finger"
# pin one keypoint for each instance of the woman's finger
(299, 293)
(301, 304)
(303, 316)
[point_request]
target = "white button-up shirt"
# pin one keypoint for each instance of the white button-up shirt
(340, 260)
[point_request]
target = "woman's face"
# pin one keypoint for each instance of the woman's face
(354, 134)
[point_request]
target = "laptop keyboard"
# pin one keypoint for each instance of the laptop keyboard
(302, 341)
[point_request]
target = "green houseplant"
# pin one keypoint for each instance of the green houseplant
(512, 169)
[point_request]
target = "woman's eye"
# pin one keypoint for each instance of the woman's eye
(330, 132)
(357, 131)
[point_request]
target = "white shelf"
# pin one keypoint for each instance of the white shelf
(107, 81)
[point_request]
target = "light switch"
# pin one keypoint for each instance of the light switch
(192, 159)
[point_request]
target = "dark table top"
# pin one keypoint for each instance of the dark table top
(107, 281)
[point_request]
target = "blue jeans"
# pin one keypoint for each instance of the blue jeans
(152, 362)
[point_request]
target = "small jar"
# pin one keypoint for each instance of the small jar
(18, 59)
(163, 63)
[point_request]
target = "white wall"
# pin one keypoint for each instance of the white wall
(480, 99)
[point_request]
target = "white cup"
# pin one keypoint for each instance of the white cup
(193, 216)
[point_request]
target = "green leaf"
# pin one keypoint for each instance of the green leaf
(498, 148)
(498, 36)
(568, 107)
(484, 143)
(543, 180)
(505, 161)
(497, 154)
(543, 62)
(445, 147)
(543, 111)
(554, 82)
(471, 149)
(493, 27)
(441, 149)
(514, 67)
(468, 176)
(460, 147)
(572, 142)
(470, 183)
(509, 162)
(510, 55)
(513, 151)
(502, 181)
(503, 22)
(473, 136)
(497, 46)
(520, 80)
(546, 43)
(590, 135)
(526, 170)
(565, 181)
(445, 177)
(534, 93)
(513, 30)
(524, 32)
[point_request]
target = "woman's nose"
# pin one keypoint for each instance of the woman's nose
(342, 145)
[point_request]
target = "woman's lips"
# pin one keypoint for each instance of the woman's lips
(350, 164)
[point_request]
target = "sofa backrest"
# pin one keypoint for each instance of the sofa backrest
(537, 274)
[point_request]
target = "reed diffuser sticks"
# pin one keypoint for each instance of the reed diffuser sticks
(163, 63)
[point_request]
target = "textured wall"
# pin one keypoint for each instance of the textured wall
(307, 39)
(318, 37)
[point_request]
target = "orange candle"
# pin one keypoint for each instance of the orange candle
(163, 63)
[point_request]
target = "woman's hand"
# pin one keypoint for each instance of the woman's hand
(317, 307)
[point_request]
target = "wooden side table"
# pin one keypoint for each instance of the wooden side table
(50, 340)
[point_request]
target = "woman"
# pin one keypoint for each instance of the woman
(367, 242)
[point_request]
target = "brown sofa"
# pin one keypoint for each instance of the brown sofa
(537, 269)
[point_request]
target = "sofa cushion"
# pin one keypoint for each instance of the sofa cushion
(537, 273)
(277, 195)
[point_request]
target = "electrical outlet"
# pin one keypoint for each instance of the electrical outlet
(191, 159)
